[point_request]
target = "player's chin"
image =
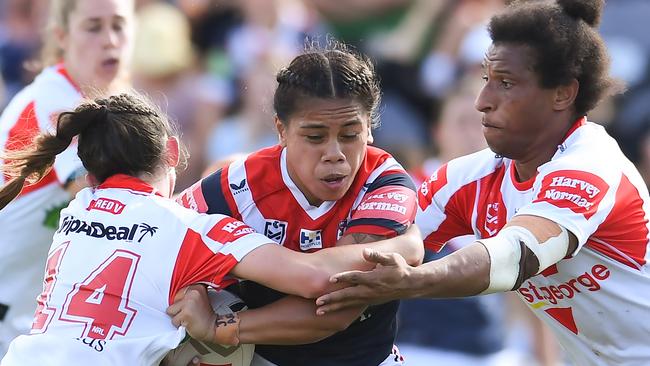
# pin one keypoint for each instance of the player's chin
(330, 191)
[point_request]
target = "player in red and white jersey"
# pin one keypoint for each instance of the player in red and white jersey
(91, 55)
(322, 186)
(123, 250)
(560, 214)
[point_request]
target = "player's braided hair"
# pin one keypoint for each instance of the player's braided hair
(565, 43)
(335, 72)
(121, 134)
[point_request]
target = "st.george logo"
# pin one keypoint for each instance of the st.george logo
(310, 239)
(275, 230)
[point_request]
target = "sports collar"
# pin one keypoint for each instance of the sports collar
(577, 124)
(60, 68)
(123, 181)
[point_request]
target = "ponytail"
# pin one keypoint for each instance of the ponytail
(122, 134)
(30, 165)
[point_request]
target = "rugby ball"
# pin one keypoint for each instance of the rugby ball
(223, 302)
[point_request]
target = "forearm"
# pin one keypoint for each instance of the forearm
(409, 245)
(292, 320)
(463, 273)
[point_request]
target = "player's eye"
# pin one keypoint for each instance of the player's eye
(350, 136)
(314, 138)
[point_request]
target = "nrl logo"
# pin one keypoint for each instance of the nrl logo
(275, 230)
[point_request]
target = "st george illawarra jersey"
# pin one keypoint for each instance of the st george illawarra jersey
(259, 191)
(596, 300)
(120, 255)
(29, 221)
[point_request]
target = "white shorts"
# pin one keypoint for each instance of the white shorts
(394, 359)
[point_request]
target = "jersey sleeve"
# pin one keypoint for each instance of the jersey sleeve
(445, 207)
(211, 247)
(388, 207)
(208, 195)
(576, 194)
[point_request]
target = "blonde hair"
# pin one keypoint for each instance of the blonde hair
(59, 17)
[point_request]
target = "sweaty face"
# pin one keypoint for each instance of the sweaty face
(325, 143)
(516, 110)
(97, 44)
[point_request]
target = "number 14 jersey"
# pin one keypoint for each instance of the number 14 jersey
(118, 258)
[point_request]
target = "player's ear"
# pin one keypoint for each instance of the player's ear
(371, 139)
(565, 95)
(60, 37)
(173, 151)
(282, 131)
(91, 180)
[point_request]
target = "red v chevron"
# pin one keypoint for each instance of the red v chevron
(564, 316)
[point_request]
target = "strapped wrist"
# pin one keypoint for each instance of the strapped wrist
(226, 330)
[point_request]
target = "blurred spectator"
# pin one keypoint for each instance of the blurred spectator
(166, 69)
(20, 22)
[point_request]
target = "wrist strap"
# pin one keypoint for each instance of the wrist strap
(226, 330)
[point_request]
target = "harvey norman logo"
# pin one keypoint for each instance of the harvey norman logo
(576, 190)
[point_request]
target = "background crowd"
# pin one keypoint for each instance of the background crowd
(210, 64)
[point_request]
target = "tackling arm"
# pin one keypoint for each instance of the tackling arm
(524, 248)
(291, 320)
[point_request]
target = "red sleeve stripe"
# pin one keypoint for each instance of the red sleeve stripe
(197, 263)
(21, 135)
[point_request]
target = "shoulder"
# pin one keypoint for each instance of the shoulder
(588, 151)
(459, 173)
(53, 93)
(47, 96)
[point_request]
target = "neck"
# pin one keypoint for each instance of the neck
(163, 183)
(527, 166)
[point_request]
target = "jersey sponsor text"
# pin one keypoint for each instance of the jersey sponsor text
(586, 281)
(98, 230)
(114, 207)
(577, 190)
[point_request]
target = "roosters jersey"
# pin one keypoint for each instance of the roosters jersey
(120, 255)
(596, 301)
(259, 191)
(28, 222)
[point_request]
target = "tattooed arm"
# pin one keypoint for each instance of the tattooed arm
(407, 246)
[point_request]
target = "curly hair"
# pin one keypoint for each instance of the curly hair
(565, 42)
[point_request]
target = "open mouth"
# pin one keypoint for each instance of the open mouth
(110, 63)
(334, 179)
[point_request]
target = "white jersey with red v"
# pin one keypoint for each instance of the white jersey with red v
(29, 221)
(259, 191)
(120, 255)
(596, 301)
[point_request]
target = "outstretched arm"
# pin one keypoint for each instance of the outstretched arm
(291, 320)
(313, 269)
(527, 246)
